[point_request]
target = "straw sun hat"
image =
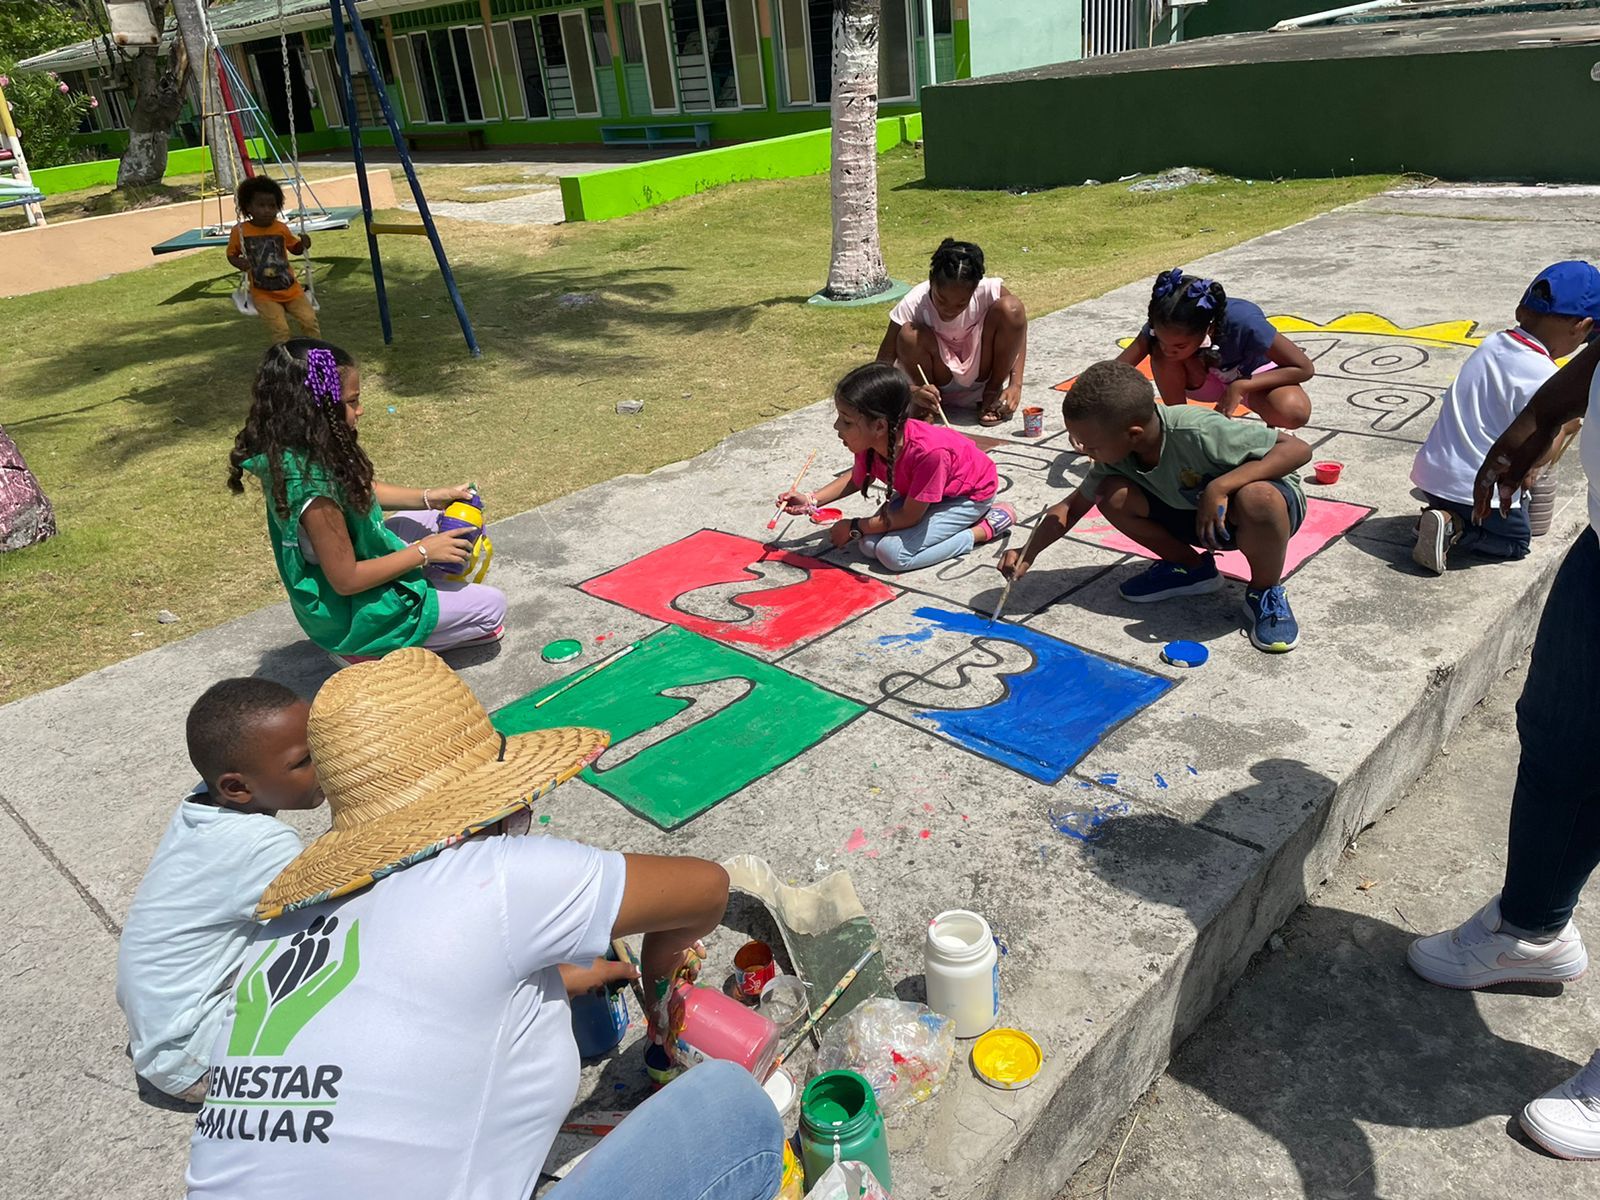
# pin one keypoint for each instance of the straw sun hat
(410, 764)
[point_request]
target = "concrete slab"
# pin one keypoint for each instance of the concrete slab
(1133, 831)
(1331, 1070)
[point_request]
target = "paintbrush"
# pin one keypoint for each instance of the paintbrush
(624, 953)
(793, 487)
(843, 985)
(589, 674)
(937, 407)
(1005, 592)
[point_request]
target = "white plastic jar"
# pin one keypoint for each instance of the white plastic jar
(963, 971)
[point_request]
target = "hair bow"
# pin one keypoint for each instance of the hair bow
(322, 377)
(1166, 283)
(1200, 292)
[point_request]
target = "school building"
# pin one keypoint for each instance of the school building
(482, 73)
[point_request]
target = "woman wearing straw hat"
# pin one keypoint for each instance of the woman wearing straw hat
(400, 1026)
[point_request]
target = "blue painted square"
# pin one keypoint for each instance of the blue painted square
(1053, 711)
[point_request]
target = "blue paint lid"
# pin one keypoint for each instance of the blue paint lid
(1184, 654)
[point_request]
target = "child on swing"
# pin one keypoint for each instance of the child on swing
(260, 246)
(1203, 346)
(941, 498)
(360, 586)
(961, 337)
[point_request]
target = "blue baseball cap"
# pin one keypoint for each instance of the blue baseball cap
(1570, 289)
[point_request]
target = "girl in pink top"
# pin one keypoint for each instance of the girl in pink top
(941, 501)
(961, 338)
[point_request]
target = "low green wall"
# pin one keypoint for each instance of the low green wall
(601, 195)
(191, 160)
(1458, 116)
(1245, 16)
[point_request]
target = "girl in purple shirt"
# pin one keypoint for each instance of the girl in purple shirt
(1203, 346)
(941, 500)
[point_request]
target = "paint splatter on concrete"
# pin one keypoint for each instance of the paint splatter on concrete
(1191, 770)
(857, 841)
(1161, 783)
(1085, 825)
(1109, 779)
(907, 639)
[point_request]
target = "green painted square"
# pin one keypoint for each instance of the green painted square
(756, 718)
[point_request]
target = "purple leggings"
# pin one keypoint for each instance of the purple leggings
(468, 612)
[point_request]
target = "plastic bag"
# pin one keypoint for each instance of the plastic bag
(848, 1181)
(903, 1049)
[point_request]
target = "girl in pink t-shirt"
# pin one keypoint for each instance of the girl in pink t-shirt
(961, 338)
(941, 500)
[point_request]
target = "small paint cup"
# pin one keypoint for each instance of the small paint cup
(826, 516)
(1007, 1059)
(755, 966)
(1327, 472)
(784, 1002)
(1033, 422)
(659, 1066)
(780, 1089)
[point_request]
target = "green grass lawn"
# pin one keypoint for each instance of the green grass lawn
(126, 394)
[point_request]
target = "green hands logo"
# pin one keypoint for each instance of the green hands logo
(275, 1003)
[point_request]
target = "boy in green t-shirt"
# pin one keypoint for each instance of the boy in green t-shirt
(1173, 479)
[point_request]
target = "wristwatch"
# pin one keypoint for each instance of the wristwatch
(855, 529)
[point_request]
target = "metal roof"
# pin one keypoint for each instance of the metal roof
(232, 21)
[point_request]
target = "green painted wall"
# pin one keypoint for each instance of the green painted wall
(961, 35)
(188, 160)
(1457, 116)
(1244, 16)
(601, 195)
(1012, 35)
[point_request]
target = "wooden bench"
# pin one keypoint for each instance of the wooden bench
(681, 133)
(445, 139)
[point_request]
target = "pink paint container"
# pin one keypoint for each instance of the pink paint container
(718, 1026)
(1327, 472)
(826, 516)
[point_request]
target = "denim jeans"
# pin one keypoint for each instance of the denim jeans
(1497, 537)
(711, 1134)
(1554, 842)
(945, 532)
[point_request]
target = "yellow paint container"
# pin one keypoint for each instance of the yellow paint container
(1007, 1059)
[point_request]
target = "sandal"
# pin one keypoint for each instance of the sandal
(1000, 518)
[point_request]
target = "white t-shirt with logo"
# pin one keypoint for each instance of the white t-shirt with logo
(187, 931)
(1494, 386)
(412, 1039)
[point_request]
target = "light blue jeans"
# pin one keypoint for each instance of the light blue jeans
(711, 1134)
(945, 532)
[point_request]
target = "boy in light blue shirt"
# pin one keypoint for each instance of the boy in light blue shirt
(194, 912)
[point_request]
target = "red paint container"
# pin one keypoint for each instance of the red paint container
(1033, 422)
(754, 965)
(1327, 472)
(826, 516)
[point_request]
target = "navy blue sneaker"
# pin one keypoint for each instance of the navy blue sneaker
(1165, 580)
(1272, 626)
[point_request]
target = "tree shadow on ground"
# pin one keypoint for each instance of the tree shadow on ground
(1366, 1040)
(219, 288)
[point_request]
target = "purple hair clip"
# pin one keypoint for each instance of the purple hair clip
(1166, 283)
(322, 377)
(1200, 292)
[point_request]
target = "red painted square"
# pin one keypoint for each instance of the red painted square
(1325, 521)
(701, 583)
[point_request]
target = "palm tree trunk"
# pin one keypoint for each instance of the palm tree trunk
(856, 269)
(156, 86)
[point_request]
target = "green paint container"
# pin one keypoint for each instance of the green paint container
(839, 1117)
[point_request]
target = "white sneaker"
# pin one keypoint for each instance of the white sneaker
(1566, 1119)
(1435, 535)
(1476, 954)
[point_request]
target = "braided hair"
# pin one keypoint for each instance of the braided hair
(878, 391)
(956, 262)
(1188, 302)
(297, 407)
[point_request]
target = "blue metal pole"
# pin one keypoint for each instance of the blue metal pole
(411, 172)
(352, 120)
